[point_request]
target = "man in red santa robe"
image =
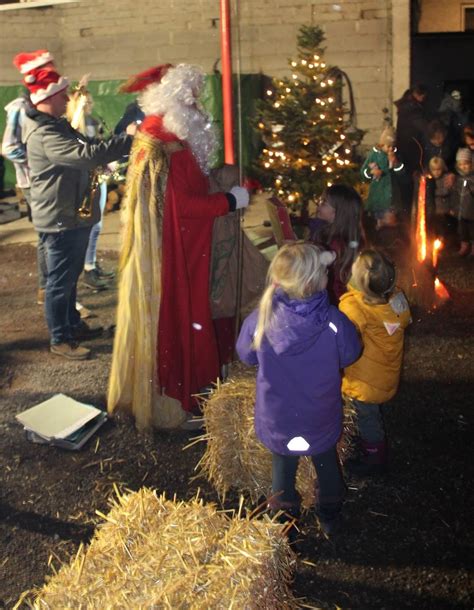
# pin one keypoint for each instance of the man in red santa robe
(165, 347)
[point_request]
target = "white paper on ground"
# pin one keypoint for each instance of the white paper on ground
(57, 417)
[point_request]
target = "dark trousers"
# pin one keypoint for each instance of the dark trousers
(65, 253)
(331, 484)
(466, 230)
(40, 248)
(369, 421)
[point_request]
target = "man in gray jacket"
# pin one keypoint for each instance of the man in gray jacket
(62, 162)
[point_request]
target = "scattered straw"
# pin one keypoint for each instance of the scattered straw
(156, 553)
(234, 458)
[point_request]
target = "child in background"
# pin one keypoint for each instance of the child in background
(340, 210)
(437, 143)
(462, 201)
(439, 185)
(380, 312)
(380, 168)
(468, 136)
(300, 343)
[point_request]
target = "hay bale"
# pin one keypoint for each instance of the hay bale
(156, 553)
(234, 457)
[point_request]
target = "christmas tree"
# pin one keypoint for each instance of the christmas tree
(308, 142)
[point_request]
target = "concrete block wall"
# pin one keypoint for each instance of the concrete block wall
(116, 38)
(24, 30)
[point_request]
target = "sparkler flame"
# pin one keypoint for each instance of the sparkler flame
(421, 222)
(441, 290)
(437, 246)
(421, 238)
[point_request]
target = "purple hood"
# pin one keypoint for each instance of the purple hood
(298, 409)
(297, 324)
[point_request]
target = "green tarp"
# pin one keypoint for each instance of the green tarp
(110, 105)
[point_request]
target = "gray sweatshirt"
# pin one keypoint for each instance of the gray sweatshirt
(61, 163)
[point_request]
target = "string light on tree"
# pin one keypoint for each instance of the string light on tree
(303, 126)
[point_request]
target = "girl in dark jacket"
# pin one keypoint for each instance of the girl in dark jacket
(300, 343)
(339, 229)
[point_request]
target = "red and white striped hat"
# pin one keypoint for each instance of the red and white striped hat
(41, 79)
(25, 62)
(43, 83)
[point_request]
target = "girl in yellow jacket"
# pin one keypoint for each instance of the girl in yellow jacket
(380, 313)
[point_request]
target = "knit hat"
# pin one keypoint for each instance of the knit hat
(387, 136)
(25, 62)
(464, 154)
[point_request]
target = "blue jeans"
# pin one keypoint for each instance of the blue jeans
(91, 253)
(65, 253)
(369, 421)
(41, 264)
(331, 484)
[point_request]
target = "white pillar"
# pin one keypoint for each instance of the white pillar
(400, 47)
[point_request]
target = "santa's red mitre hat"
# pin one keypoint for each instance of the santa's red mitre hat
(144, 79)
(44, 83)
(25, 62)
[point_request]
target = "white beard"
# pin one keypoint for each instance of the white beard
(194, 127)
(174, 98)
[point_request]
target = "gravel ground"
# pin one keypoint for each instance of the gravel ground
(406, 539)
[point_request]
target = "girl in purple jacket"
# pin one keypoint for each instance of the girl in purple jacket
(300, 343)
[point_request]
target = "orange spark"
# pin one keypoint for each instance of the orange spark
(437, 245)
(421, 222)
(441, 290)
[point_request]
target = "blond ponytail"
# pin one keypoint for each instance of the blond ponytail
(265, 308)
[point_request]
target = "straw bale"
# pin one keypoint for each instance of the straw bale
(151, 552)
(234, 458)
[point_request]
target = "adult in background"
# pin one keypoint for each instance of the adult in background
(14, 148)
(2, 176)
(411, 127)
(79, 114)
(452, 114)
(133, 114)
(60, 160)
(165, 348)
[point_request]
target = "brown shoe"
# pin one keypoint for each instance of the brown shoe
(41, 296)
(71, 351)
